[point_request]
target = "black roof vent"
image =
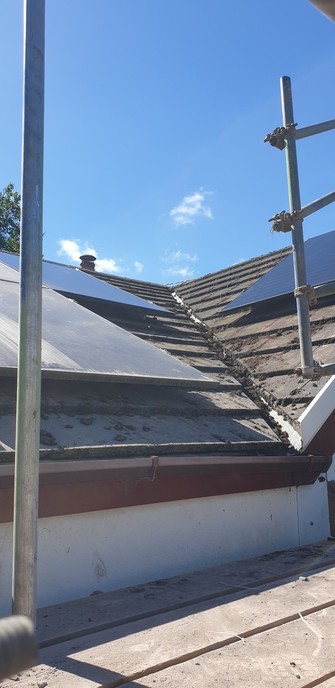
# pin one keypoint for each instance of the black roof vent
(87, 262)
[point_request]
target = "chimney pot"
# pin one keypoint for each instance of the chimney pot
(87, 262)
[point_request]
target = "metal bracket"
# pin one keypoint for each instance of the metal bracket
(278, 136)
(309, 372)
(284, 222)
(316, 371)
(154, 467)
(306, 289)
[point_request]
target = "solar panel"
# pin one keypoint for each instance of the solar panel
(279, 281)
(76, 282)
(78, 343)
(8, 274)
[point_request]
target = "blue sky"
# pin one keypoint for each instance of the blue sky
(155, 116)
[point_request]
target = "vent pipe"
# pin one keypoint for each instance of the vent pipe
(87, 262)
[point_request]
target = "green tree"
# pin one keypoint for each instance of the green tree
(10, 219)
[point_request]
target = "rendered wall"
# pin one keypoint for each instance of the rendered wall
(317, 433)
(107, 550)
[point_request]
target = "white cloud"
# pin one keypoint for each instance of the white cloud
(138, 266)
(72, 250)
(107, 265)
(180, 271)
(180, 255)
(190, 208)
(181, 264)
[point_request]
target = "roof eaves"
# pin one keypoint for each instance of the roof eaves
(85, 486)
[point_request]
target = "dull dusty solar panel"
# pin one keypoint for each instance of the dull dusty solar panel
(73, 281)
(279, 281)
(78, 344)
(8, 274)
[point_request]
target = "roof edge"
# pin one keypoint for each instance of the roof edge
(100, 486)
(315, 421)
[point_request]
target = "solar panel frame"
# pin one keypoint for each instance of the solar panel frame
(78, 344)
(279, 281)
(75, 282)
(8, 274)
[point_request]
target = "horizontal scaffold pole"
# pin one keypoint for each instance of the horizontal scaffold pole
(317, 204)
(313, 129)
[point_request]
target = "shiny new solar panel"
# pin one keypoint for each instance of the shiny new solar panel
(78, 283)
(279, 281)
(80, 344)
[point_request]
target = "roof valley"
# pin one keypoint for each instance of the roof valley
(261, 342)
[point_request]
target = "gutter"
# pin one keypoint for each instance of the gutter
(74, 487)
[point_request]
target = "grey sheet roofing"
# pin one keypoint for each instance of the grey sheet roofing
(251, 353)
(113, 419)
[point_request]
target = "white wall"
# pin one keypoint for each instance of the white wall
(313, 514)
(107, 550)
(315, 415)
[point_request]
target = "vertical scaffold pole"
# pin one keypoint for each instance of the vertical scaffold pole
(297, 233)
(29, 359)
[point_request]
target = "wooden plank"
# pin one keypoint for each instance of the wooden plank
(122, 606)
(143, 647)
(288, 656)
(326, 683)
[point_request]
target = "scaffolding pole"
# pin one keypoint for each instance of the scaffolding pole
(299, 263)
(29, 359)
(285, 138)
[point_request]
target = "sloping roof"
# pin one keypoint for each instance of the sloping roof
(132, 419)
(326, 6)
(261, 342)
(252, 353)
(108, 444)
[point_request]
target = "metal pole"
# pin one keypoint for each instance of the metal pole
(29, 359)
(297, 234)
(313, 129)
(18, 647)
(318, 204)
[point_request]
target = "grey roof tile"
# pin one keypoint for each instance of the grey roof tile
(263, 341)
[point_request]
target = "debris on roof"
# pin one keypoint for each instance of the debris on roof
(137, 419)
(250, 355)
(261, 342)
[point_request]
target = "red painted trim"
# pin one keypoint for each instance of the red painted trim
(81, 486)
(323, 441)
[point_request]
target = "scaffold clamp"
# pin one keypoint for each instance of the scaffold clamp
(284, 222)
(277, 137)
